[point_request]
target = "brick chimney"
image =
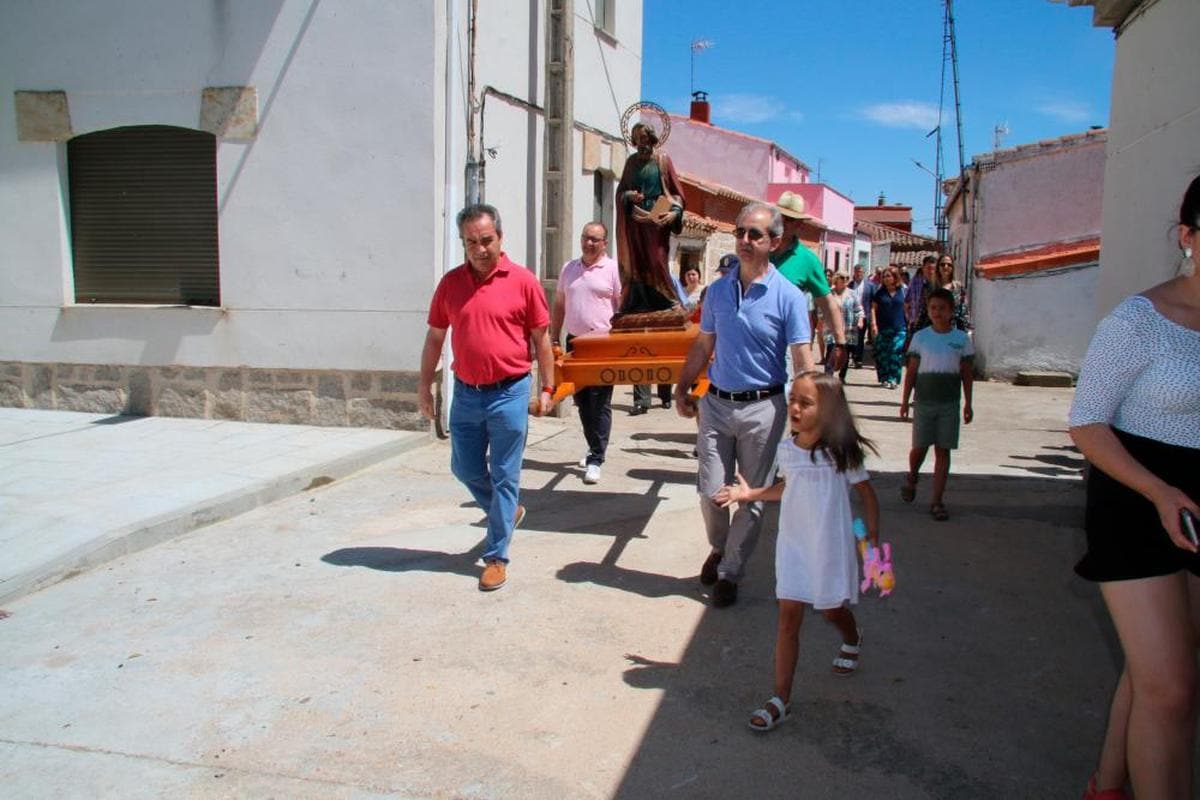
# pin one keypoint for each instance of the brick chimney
(700, 108)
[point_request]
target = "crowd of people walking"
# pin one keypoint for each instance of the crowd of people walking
(1135, 417)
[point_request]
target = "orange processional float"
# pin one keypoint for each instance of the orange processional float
(648, 343)
(626, 356)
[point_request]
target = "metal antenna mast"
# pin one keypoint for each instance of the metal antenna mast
(953, 43)
(939, 219)
(949, 56)
(964, 190)
(998, 134)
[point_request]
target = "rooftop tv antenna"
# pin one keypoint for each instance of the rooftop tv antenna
(698, 45)
(998, 134)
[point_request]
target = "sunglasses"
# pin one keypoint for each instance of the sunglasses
(593, 239)
(755, 234)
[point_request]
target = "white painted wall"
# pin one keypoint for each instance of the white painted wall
(511, 49)
(325, 219)
(608, 70)
(1153, 148)
(608, 79)
(862, 251)
(1041, 321)
(514, 177)
(334, 220)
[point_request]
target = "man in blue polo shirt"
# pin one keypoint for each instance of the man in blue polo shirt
(749, 319)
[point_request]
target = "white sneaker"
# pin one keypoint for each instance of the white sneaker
(593, 474)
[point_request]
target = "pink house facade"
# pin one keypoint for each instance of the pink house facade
(744, 163)
(760, 168)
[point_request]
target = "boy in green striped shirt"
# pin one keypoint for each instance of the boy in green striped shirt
(940, 362)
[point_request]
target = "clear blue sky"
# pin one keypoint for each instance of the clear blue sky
(854, 84)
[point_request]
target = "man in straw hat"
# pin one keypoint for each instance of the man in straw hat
(802, 267)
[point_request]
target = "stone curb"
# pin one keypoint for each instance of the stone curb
(161, 527)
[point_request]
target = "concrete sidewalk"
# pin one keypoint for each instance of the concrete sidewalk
(334, 645)
(79, 489)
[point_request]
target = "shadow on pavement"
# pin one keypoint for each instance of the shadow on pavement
(685, 455)
(688, 439)
(879, 418)
(118, 419)
(646, 584)
(986, 674)
(403, 559)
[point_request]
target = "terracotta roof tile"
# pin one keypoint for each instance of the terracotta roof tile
(901, 240)
(910, 258)
(1037, 259)
(695, 222)
(720, 190)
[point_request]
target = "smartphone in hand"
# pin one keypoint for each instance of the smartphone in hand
(1188, 522)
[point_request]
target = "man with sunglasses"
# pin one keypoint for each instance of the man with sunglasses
(750, 318)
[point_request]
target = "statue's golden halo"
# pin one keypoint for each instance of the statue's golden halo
(649, 114)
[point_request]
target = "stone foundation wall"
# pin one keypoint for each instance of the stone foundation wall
(302, 397)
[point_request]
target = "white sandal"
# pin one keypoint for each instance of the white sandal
(847, 666)
(769, 721)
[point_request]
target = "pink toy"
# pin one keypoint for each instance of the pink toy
(878, 570)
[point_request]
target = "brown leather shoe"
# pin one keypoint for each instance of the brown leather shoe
(493, 577)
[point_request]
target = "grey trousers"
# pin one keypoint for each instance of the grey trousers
(739, 437)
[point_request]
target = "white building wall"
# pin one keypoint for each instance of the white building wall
(334, 219)
(514, 177)
(608, 69)
(325, 218)
(1040, 321)
(862, 252)
(607, 80)
(1152, 147)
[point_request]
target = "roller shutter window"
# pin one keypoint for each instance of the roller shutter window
(144, 216)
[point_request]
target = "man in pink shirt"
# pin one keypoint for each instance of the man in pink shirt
(497, 310)
(588, 294)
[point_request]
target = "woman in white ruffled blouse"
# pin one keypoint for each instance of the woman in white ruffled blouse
(1136, 418)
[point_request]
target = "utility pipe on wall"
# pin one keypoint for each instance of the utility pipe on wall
(450, 194)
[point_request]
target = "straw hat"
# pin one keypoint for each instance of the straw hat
(791, 205)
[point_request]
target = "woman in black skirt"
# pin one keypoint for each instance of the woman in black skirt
(1136, 418)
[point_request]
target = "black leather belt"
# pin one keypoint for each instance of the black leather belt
(746, 396)
(487, 387)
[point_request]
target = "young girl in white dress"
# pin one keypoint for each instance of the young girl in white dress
(815, 557)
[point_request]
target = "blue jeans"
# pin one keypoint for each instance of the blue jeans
(487, 442)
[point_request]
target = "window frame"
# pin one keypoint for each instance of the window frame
(143, 217)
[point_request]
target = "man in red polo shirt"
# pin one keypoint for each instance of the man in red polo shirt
(497, 309)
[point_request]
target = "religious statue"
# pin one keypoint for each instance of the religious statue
(649, 210)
